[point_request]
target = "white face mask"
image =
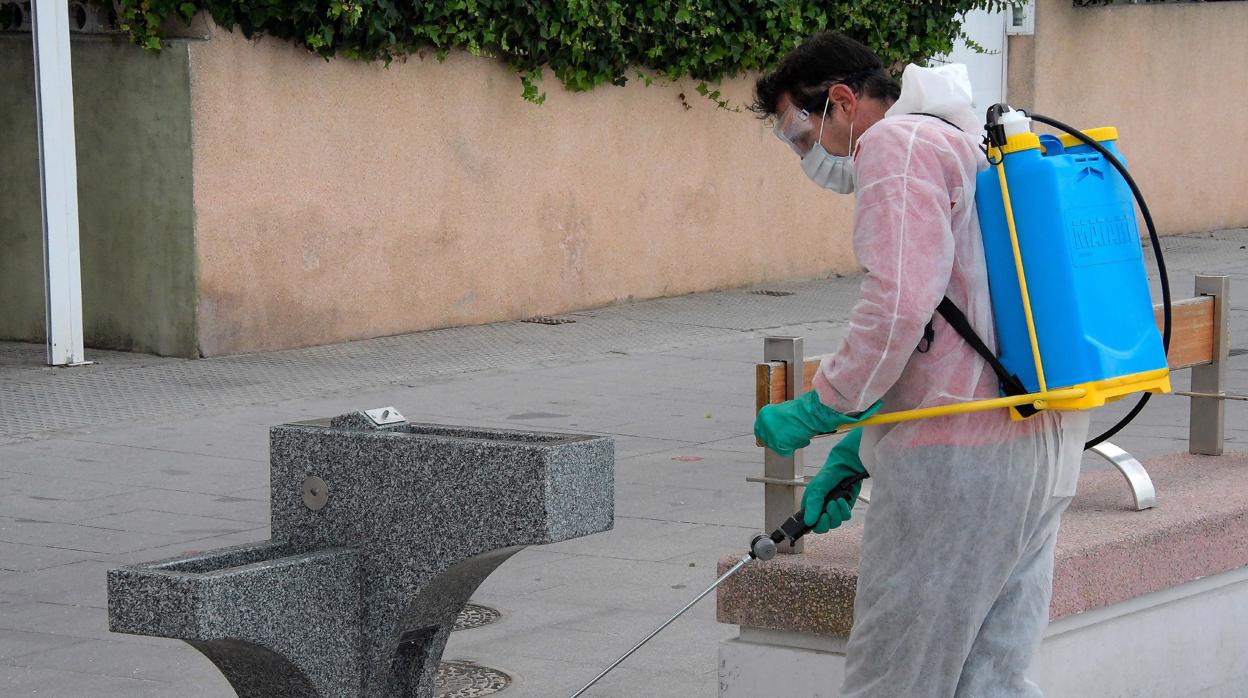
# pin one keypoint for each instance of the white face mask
(835, 172)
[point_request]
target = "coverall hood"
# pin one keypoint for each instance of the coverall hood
(943, 91)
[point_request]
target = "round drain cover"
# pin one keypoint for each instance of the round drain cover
(468, 680)
(475, 616)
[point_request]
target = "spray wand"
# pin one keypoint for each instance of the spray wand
(762, 547)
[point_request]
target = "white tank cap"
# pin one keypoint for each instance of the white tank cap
(1014, 122)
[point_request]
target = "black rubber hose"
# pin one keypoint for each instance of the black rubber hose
(1161, 262)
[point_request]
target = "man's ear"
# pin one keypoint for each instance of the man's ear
(842, 97)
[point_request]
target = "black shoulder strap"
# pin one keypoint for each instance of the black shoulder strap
(923, 113)
(1010, 383)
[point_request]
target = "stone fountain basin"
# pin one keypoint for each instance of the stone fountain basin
(196, 597)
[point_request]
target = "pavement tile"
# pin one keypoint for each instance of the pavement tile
(78, 583)
(543, 678)
(121, 659)
(37, 482)
(25, 558)
(192, 546)
(115, 469)
(728, 510)
(78, 537)
(744, 444)
(21, 506)
(634, 539)
(15, 643)
(55, 683)
(631, 446)
(181, 525)
(243, 435)
(690, 506)
(83, 622)
(690, 467)
(253, 510)
(531, 557)
(635, 585)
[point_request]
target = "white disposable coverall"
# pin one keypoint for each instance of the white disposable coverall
(956, 568)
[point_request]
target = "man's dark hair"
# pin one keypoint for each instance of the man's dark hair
(819, 62)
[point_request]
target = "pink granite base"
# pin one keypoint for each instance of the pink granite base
(1106, 551)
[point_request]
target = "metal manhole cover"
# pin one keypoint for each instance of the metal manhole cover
(468, 680)
(546, 320)
(475, 616)
(777, 294)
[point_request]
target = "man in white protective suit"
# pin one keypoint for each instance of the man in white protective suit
(956, 570)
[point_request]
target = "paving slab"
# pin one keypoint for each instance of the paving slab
(39, 681)
(120, 659)
(25, 558)
(76, 583)
(16, 643)
(90, 539)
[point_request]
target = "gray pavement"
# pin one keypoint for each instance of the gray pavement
(138, 458)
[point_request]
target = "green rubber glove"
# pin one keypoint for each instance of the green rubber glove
(842, 462)
(790, 425)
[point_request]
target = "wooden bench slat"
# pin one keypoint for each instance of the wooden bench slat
(1191, 344)
(1191, 332)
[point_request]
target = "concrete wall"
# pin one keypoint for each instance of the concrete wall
(338, 200)
(1184, 641)
(134, 194)
(1170, 77)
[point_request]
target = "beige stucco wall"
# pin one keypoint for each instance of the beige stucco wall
(338, 200)
(1170, 77)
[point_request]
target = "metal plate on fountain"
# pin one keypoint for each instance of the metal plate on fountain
(384, 415)
(468, 680)
(475, 616)
(315, 493)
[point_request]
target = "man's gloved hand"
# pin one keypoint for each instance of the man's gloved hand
(842, 462)
(788, 426)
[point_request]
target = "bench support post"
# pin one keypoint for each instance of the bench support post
(784, 475)
(1207, 423)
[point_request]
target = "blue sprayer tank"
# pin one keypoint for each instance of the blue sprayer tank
(1083, 264)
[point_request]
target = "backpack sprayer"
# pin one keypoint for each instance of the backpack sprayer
(1057, 211)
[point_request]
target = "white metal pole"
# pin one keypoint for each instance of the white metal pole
(58, 175)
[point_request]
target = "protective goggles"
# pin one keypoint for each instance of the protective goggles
(794, 128)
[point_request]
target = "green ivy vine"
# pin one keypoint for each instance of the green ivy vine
(584, 43)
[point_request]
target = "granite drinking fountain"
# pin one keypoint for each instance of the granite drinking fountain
(381, 531)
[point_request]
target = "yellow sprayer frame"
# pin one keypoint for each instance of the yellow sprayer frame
(1078, 397)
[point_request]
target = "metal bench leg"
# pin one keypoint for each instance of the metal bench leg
(1137, 477)
(1207, 423)
(782, 491)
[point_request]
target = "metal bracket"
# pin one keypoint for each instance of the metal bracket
(1137, 477)
(784, 482)
(1211, 396)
